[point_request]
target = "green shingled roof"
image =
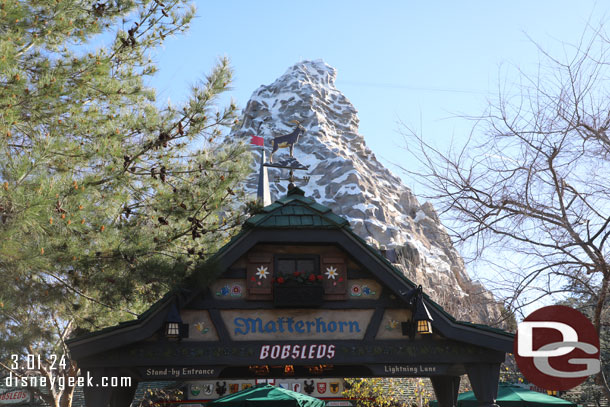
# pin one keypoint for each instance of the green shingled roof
(295, 211)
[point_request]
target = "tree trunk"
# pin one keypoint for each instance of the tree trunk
(66, 397)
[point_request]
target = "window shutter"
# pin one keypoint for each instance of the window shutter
(334, 278)
(260, 275)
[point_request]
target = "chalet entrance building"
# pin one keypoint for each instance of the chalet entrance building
(296, 295)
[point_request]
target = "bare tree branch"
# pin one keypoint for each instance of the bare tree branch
(527, 194)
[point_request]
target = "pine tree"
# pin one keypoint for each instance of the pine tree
(106, 199)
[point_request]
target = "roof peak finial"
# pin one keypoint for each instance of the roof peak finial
(295, 191)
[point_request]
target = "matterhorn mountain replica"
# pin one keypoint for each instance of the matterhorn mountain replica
(345, 175)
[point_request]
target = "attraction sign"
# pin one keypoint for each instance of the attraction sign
(248, 325)
(18, 396)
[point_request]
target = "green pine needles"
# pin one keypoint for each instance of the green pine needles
(106, 199)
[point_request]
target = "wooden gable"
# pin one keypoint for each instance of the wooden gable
(295, 293)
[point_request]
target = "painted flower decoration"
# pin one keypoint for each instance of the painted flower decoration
(223, 291)
(262, 272)
(331, 272)
(236, 290)
(200, 326)
(392, 324)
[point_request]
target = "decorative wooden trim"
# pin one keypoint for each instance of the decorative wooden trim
(358, 274)
(259, 276)
(334, 272)
(221, 329)
(373, 327)
(260, 257)
(340, 260)
(234, 273)
(253, 303)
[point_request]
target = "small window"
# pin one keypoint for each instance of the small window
(287, 265)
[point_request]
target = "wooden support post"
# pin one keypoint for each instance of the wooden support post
(484, 378)
(446, 389)
(104, 395)
(96, 395)
(123, 396)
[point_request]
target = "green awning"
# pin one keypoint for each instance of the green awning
(513, 396)
(265, 395)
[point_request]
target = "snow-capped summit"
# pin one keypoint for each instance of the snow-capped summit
(346, 176)
(316, 71)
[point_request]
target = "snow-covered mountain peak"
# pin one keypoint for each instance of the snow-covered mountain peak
(314, 72)
(346, 176)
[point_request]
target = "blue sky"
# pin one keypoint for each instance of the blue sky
(423, 63)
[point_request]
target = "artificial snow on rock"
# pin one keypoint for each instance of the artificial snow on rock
(346, 176)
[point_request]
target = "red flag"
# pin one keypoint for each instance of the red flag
(257, 140)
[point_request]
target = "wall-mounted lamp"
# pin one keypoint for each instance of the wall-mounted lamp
(421, 319)
(422, 316)
(174, 328)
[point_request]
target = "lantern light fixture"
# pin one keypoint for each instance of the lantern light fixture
(174, 329)
(421, 319)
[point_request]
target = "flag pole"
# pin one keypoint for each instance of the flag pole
(263, 195)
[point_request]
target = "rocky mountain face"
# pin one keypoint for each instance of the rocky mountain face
(346, 176)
